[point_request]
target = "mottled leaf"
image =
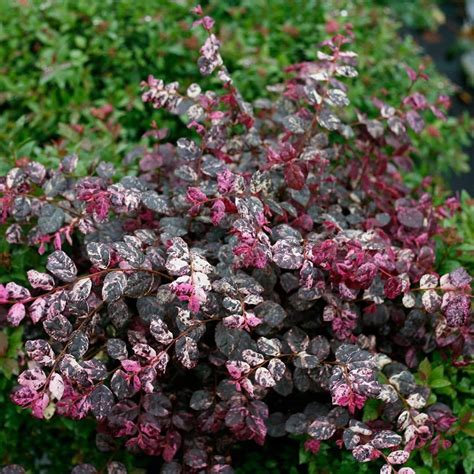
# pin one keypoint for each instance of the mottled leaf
(61, 266)
(81, 290)
(101, 400)
(114, 286)
(99, 254)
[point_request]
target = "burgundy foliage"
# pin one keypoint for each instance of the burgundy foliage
(276, 253)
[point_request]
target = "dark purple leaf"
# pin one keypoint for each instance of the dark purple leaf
(294, 176)
(272, 313)
(58, 328)
(321, 429)
(81, 290)
(157, 405)
(195, 458)
(319, 346)
(61, 266)
(410, 217)
(297, 424)
(101, 400)
(201, 400)
(386, 439)
(114, 286)
(78, 344)
(99, 254)
(117, 349)
(297, 339)
(306, 361)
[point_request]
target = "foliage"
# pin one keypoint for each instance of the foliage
(457, 246)
(448, 385)
(274, 457)
(275, 257)
(72, 69)
(453, 386)
(421, 15)
(22, 437)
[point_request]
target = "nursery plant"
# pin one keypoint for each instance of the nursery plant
(268, 275)
(62, 96)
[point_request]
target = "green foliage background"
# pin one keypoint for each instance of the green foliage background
(59, 59)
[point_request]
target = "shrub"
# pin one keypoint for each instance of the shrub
(273, 275)
(457, 247)
(259, 41)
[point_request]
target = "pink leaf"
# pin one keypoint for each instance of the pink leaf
(16, 314)
(294, 176)
(56, 386)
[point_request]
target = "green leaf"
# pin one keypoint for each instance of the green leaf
(437, 372)
(15, 341)
(468, 462)
(371, 410)
(426, 457)
(424, 369)
(468, 429)
(440, 383)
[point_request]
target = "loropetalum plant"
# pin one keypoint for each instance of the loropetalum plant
(264, 278)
